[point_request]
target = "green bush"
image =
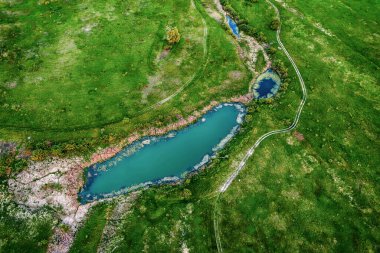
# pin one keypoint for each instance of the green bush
(275, 24)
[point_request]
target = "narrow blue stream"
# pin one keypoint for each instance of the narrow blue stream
(233, 26)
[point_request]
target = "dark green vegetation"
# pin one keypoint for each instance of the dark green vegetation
(9, 163)
(164, 219)
(89, 236)
(22, 231)
(260, 63)
(319, 194)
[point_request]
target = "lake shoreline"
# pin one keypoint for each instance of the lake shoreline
(111, 151)
(34, 187)
(133, 147)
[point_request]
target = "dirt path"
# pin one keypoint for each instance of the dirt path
(263, 137)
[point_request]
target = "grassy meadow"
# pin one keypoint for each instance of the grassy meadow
(318, 193)
(85, 69)
(81, 74)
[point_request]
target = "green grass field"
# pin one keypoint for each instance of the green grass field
(90, 234)
(71, 69)
(315, 195)
(318, 195)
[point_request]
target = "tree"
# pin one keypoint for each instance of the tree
(275, 24)
(271, 50)
(172, 35)
(279, 66)
(249, 2)
(186, 193)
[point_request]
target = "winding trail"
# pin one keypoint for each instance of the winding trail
(265, 136)
(200, 69)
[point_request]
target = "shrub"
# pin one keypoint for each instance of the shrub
(279, 66)
(249, 2)
(261, 37)
(223, 2)
(186, 194)
(247, 29)
(39, 155)
(271, 50)
(275, 24)
(232, 13)
(172, 35)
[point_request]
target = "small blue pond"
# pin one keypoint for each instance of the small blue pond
(233, 26)
(165, 159)
(267, 85)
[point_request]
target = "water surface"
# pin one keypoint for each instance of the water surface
(233, 26)
(166, 158)
(267, 85)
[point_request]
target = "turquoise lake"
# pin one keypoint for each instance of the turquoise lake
(164, 159)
